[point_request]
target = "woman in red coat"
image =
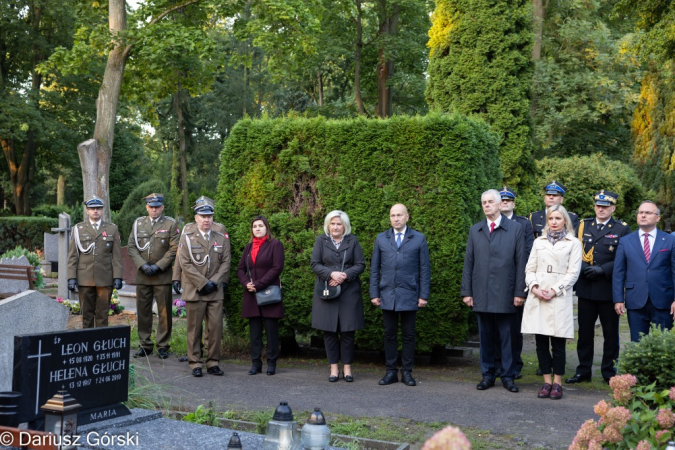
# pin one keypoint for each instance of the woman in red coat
(260, 266)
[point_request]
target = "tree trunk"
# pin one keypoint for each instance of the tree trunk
(178, 106)
(357, 60)
(61, 190)
(385, 62)
(96, 154)
(320, 87)
(538, 15)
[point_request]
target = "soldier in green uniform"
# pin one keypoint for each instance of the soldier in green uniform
(152, 246)
(554, 195)
(94, 264)
(599, 237)
(204, 257)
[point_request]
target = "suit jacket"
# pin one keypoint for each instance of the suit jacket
(217, 269)
(216, 226)
(602, 245)
(635, 279)
(538, 220)
(494, 266)
(348, 307)
(265, 272)
(104, 263)
(163, 238)
(400, 276)
(527, 232)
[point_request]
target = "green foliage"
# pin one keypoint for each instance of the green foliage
(480, 63)
(651, 360)
(26, 232)
(33, 260)
(134, 206)
(585, 175)
(653, 130)
(655, 18)
(202, 415)
(296, 170)
(76, 213)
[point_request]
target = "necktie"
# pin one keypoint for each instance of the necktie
(95, 227)
(492, 227)
(647, 250)
(601, 226)
(398, 240)
(206, 237)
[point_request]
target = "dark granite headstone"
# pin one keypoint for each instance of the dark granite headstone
(92, 365)
(128, 268)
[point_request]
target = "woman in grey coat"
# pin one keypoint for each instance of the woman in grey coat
(337, 258)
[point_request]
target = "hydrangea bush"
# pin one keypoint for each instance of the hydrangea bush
(449, 438)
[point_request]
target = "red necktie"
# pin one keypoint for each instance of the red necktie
(492, 227)
(648, 253)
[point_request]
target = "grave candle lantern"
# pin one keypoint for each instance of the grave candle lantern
(235, 442)
(282, 430)
(315, 433)
(61, 418)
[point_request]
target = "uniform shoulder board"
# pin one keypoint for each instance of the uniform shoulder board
(170, 218)
(140, 219)
(625, 224)
(588, 219)
(188, 231)
(218, 232)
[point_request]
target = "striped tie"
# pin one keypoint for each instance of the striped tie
(648, 253)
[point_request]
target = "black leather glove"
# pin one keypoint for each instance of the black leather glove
(72, 284)
(209, 288)
(584, 266)
(176, 286)
(156, 269)
(117, 283)
(593, 272)
(147, 269)
(224, 285)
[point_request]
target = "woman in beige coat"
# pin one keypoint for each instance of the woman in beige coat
(550, 274)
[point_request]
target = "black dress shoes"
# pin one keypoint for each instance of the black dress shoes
(271, 370)
(485, 383)
(389, 378)
(349, 378)
(162, 353)
(407, 379)
(255, 369)
(333, 378)
(142, 353)
(509, 385)
(197, 372)
(182, 359)
(215, 370)
(517, 376)
(578, 378)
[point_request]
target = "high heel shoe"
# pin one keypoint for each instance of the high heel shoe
(254, 370)
(334, 378)
(348, 378)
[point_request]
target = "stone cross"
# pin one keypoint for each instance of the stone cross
(64, 241)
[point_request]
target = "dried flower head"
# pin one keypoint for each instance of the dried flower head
(449, 438)
(665, 418)
(601, 408)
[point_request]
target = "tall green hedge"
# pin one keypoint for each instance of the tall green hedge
(134, 206)
(480, 62)
(28, 232)
(296, 170)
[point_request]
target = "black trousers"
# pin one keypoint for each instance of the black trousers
(272, 332)
(339, 346)
(517, 338)
(390, 319)
(551, 354)
(588, 312)
(500, 327)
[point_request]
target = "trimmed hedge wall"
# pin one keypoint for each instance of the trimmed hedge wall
(28, 232)
(296, 170)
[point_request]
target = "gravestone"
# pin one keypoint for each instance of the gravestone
(27, 309)
(64, 241)
(128, 268)
(51, 255)
(14, 286)
(91, 364)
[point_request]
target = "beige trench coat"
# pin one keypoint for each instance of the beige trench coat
(554, 267)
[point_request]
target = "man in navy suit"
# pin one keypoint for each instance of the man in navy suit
(400, 281)
(644, 274)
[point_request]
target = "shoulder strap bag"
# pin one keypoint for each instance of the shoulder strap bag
(331, 292)
(270, 295)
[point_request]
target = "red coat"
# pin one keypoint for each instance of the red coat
(265, 272)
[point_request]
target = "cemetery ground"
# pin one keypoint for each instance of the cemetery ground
(446, 394)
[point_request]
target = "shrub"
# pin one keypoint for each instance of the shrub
(134, 206)
(26, 232)
(76, 213)
(296, 170)
(651, 360)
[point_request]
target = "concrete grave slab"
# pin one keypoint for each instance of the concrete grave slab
(14, 286)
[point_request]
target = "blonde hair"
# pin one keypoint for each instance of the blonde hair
(568, 222)
(343, 217)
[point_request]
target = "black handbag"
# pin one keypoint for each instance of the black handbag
(330, 292)
(269, 296)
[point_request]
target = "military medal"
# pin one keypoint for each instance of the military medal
(162, 241)
(104, 233)
(611, 248)
(197, 257)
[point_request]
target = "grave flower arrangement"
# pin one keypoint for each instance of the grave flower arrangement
(72, 305)
(115, 306)
(178, 308)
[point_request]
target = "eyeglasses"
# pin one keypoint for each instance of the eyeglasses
(646, 213)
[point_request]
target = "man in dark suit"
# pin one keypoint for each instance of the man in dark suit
(599, 237)
(506, 207)
(644, 274)
(400, 282)
(493, 284)
(554, 195)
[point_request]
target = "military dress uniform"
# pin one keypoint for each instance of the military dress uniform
(594, 291)
(538, 218)
(152, 247)
(204, 263)
(95, 262)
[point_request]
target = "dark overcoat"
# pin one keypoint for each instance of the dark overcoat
(265, 272)
(348, 307)
(494, 266)
(399, 277)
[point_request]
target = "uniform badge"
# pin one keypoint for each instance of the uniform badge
(227, 236)
(177, 230)
(104, 238)
(107, 244)
(198, 257)
(104, 234)
(611, 236)
(611, 248)
(163, 241)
